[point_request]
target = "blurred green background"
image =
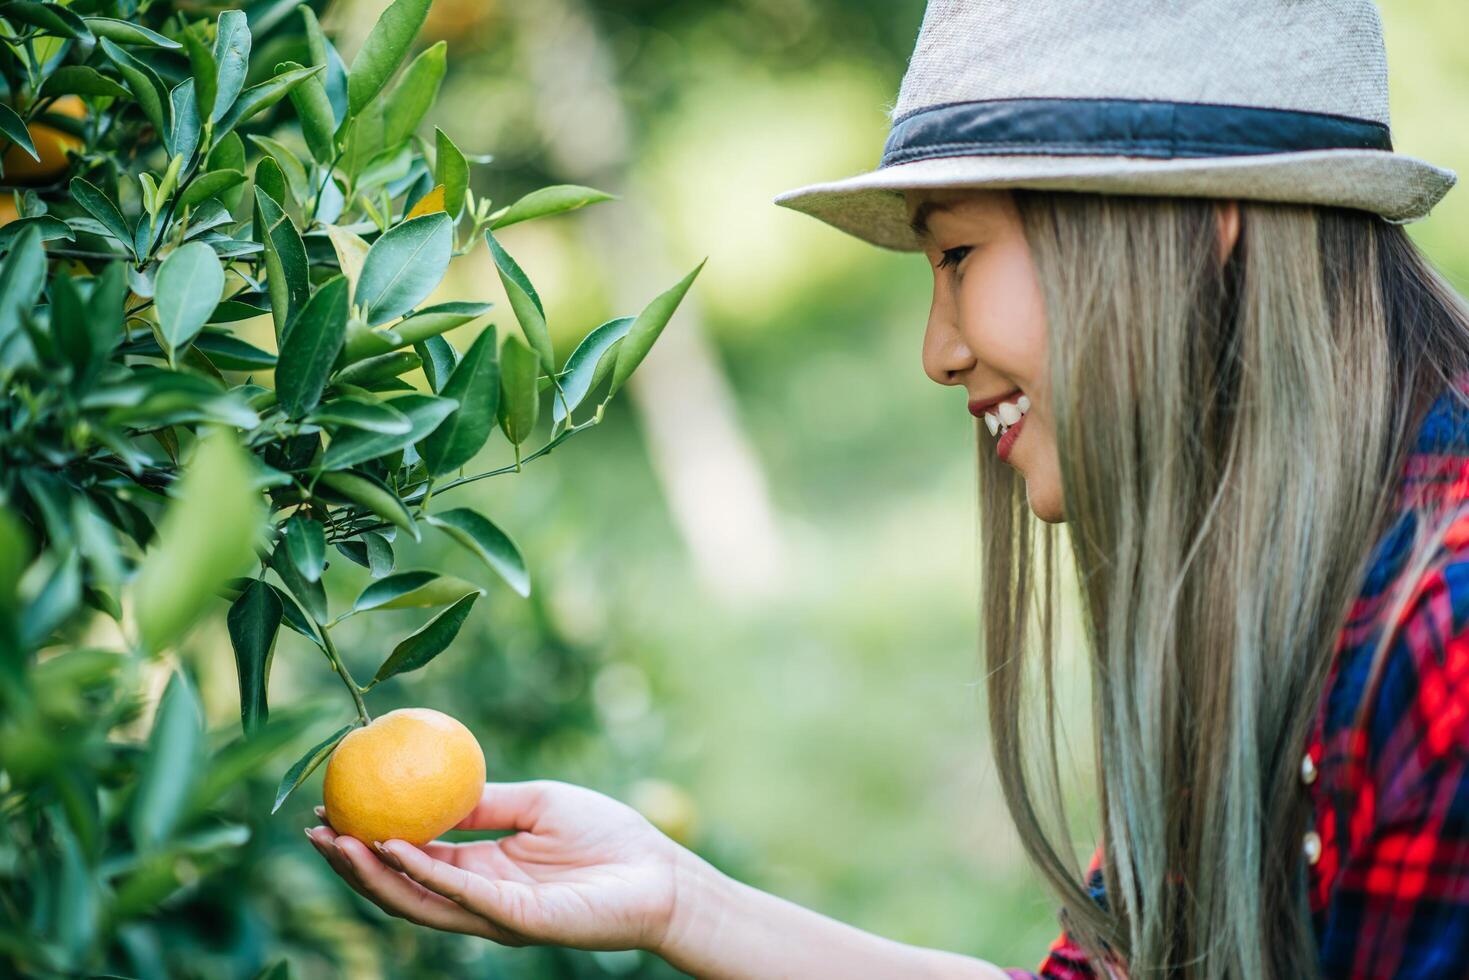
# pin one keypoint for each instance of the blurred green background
(755, 584)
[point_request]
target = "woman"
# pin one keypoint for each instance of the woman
(1170, 276)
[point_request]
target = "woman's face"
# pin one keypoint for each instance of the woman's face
(987, 328)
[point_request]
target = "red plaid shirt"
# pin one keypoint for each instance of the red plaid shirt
(1389, 882)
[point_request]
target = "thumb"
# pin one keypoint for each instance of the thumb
(507, 806)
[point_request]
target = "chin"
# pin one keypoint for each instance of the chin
(1044, 506)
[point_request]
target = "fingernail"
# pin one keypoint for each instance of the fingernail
(320, 811)
(388, 856)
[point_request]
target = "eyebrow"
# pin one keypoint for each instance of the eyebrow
(919, 222)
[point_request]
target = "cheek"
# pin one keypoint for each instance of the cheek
(1002, 313)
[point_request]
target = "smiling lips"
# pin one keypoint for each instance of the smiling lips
(1005, 412)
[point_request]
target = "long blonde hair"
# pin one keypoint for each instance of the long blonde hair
(1230, 436)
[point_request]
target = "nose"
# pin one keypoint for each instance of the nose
(946, 357)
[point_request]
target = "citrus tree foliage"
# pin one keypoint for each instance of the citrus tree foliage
(208, 305)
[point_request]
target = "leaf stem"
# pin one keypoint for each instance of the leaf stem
(344, 673)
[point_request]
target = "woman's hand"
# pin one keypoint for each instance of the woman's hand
(582, 870)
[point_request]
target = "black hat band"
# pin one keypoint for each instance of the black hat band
(1126, 127)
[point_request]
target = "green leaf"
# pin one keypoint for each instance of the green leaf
(51, 18)
(374, 370)
(427, 323)
(384, 50)
(209, 185)
(80, 80)
(233, 311)
(100, 206)
(428, 642)
(279, 970)
(206, 537)
(55, 604)
(520, 398)
(475, 385)
(285, 260)
(270, 180)
(550, 200)
(314, 110)
(291, 166)
(22, 277)
(371, 551)
(379, 553)
(186, 291)
(168, 770)
(647, 327)
(231, 61)
(373, 494)
(69, 322)
(359, 413)
(487, 542)
(293, 617)
(306, 765)
(408, 102)
(439, 360)
(78, 895)
(308, 592)
(403, 266)
(141, 80)
(229, 353)
(452, 170)
(311, 346)
(126, 32)
(183, 139)
(589, 364)
(159, 397)
(168, 184)
(51, 229)
(414, 590)
(434, 320)
(258, 98)
(323, 52)
(524, 301)
(424, 413)
(201, 64)
(306, 542)
(254, 621)
(14, 128)
(228, 154)
(243, 757)
(361, 138)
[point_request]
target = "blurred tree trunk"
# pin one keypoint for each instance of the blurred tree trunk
(711, 477)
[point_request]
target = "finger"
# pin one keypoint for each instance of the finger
(501, 902)
(325, 842)
(398, 896)
(507, 806)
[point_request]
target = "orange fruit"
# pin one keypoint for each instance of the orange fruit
(410, 774)
(51, 146)
(8, 211)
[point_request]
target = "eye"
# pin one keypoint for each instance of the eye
(953, 256)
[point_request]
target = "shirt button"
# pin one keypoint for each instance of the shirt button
(1308, 769)
(1311, 846)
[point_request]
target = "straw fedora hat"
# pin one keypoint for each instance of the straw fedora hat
(1277, 100)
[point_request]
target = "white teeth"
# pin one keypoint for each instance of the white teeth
(991, 420)
(1009, 414)
(1024, 403)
